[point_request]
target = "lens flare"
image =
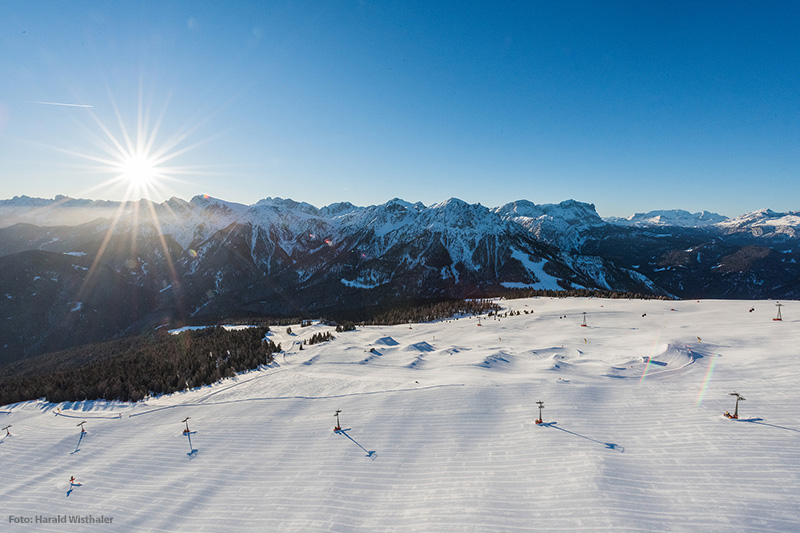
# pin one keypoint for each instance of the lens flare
(707, 379)
(652, 353)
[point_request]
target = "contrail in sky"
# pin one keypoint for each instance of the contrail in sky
(62, 104)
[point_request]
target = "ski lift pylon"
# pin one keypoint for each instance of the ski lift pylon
(735, 414)
(541, 406)
(778, 318)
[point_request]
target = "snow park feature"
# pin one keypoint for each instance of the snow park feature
(638, 446)
(735, 414)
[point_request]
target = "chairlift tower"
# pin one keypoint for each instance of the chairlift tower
(188, 434)
(338, 425)
(541, 406)
(778, 318)
(81, 426)
(8, 433)
(583, 325)
(735, 414)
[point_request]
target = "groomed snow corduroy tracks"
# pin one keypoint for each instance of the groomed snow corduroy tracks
(439, 432)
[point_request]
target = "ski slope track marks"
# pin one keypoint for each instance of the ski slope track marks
(438, 430)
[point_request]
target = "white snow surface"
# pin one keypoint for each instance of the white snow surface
(439, 431)
(546, 281)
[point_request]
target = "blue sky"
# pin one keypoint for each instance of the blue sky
(632, 106)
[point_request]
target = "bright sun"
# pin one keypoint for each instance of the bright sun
(139, 164)
(138, 170)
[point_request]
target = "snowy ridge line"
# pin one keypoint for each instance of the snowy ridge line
(255, 374)
(116, 417)
(333, 397)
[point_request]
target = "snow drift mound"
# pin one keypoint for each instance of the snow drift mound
(674, 357)
(496, 361)
(420, 347)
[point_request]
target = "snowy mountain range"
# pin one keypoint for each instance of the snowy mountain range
(61, 260)
(673, 217)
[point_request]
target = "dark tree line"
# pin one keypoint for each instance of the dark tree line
(316, 338)
(132, 368)
(434, 311)
(579, 293)
(157, 364)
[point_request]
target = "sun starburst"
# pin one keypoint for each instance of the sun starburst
(141, 160)
(139, 170)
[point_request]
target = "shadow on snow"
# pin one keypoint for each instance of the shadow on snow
(760, 422)
(72, 486)
(371, 454)
(78, 446)
(192, 453)
(609, 445)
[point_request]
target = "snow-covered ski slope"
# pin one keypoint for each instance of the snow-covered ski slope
(439, 431)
